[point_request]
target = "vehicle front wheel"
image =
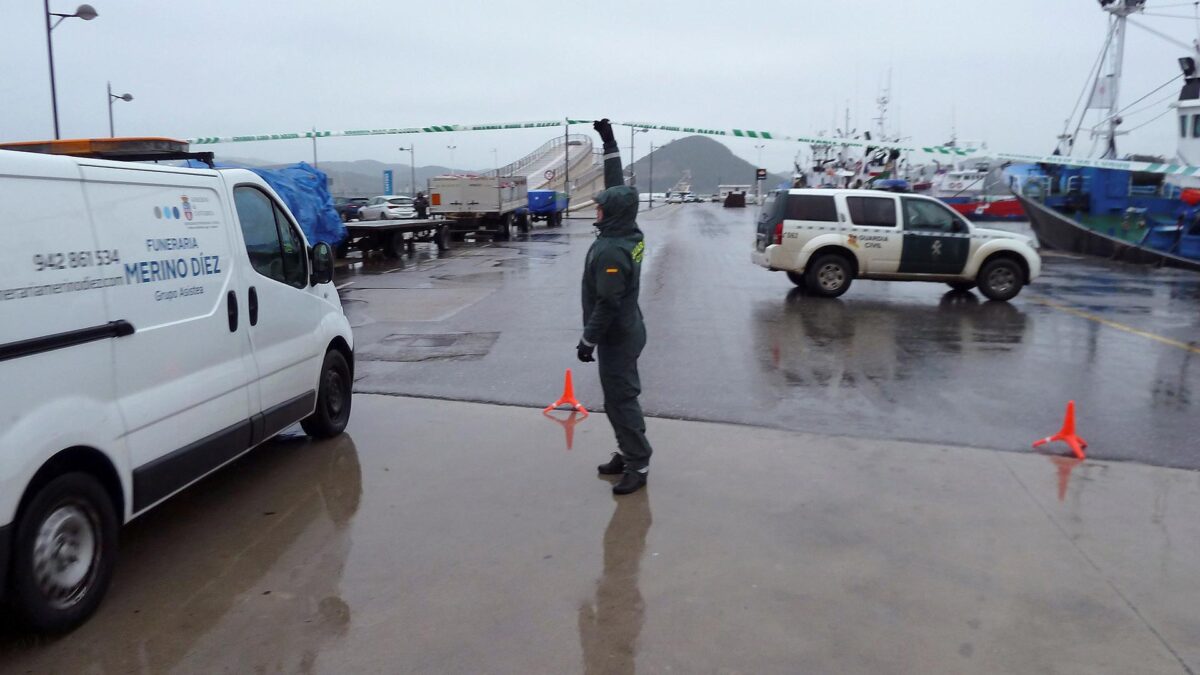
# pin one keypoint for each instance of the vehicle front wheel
(797, 279)
(65, 550)
(333, 398)
(1000, 279)
(961, 286)
(829, 275)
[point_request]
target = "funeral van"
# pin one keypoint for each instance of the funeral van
(156, 322)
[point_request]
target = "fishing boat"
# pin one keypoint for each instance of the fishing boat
(1143, 210)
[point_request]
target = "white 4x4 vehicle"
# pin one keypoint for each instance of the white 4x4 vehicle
(824, 239)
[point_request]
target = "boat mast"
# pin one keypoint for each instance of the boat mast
(1120, 10)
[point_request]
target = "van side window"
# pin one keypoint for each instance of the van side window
(873, 211)
(811, 207)
(295, 269)
(262, 225)
(921, 214)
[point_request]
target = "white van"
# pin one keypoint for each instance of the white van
(155, 324)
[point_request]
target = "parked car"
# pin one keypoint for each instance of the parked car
(388, 207)
(692, 198)
(160, 322)
(675, 198)
(824, 239)
(347, 207)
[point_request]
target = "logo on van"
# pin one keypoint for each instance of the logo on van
(173, 212)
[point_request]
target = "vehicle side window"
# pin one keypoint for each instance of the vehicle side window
(1195, 126)
(873, 211)
(275, 250)
(1183, 126)
(921, 214)
(295, 266)
(257, 217)
(811, 207)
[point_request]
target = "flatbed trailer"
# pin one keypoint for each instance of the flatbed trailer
(393, 237)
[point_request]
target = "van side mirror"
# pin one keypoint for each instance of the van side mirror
(322, 264)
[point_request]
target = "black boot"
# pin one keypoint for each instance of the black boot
(631, 482)
(614, 466)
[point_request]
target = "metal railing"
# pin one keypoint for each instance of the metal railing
(539, 155)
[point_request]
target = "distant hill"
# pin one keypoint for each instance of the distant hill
(710, 162)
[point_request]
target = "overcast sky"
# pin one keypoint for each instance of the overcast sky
(1005, 72)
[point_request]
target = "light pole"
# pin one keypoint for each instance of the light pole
(757, 182)
(412, 169)
(632, 175)
(113, 97)
(85, 12)
(651, 189)
(496, 161)
(451, 148)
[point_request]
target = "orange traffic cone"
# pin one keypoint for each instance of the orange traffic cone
(568, 397)
(1067, 434)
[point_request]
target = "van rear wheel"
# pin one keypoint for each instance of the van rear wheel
(829, 276)
(333, 398)
(65, 550)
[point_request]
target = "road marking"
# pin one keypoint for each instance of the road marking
(348, 283)
(1119, 326)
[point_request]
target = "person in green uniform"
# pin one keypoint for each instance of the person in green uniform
(612, 319)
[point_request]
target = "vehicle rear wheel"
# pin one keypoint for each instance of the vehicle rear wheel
(333, 398)
(395, 245)
(442, 238)
(961, 286)
(504, 230)
(524, 224)
(829, 275)
(65, 550)
(1000, 279)
(797, 279)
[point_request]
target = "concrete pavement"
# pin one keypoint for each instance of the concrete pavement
(444, 537)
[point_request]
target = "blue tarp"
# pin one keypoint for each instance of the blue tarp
(304, 189)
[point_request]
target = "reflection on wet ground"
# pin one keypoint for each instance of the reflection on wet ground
(610, 623)
(446, 537)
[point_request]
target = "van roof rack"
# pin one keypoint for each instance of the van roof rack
(139, 149)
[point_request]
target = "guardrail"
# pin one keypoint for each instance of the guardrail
(551, 146)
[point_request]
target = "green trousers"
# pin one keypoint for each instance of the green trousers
(619, 380)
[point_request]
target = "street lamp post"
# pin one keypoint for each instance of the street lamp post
(632, 175)
(113, 97)
(85, 12)
(451, 148)
(651, 188)
(757, 182)
(412, 169)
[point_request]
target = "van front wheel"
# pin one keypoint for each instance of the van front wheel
(65, 549)
(333, 398)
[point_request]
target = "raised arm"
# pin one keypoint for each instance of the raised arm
(614, 171)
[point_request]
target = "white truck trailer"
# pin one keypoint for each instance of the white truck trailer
(479, 203)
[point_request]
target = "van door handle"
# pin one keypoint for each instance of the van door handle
(232, 308)
(253, 306)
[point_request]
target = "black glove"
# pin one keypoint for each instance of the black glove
(603, 128)
(584, 351)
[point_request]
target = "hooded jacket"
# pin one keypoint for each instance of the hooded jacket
(612, 271)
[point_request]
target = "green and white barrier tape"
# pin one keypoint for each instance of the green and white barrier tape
(1148, 167)
(1123, 165)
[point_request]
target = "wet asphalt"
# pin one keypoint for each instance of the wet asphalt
(731, 342)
